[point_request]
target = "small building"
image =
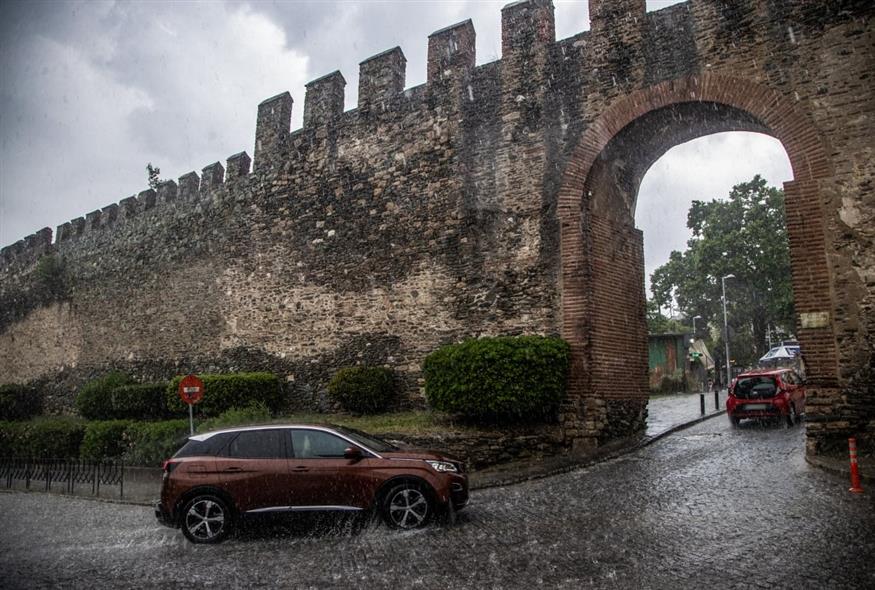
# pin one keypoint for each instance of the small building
(677, 363)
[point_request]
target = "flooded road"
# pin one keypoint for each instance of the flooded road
(708, 506)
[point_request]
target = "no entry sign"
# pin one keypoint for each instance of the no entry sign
(191, 389)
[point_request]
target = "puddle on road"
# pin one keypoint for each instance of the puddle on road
(705, 435)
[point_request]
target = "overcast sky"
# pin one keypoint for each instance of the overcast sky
(92, 91)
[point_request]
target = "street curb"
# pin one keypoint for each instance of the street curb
(89, 498)
(597, 458)
(844, 472)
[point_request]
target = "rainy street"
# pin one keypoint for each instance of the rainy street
(707, 506)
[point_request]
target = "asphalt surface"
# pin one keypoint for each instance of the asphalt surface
(705, 507)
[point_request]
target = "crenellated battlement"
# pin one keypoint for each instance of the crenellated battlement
(527, 30)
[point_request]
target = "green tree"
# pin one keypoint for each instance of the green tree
(152, 173)
(657, 323)
(745, 235)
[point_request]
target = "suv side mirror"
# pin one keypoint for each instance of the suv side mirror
(353, 454)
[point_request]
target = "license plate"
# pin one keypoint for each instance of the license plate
(751, 407)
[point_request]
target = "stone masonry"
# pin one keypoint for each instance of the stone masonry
(494, 199)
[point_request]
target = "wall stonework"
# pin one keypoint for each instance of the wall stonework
(494, 199)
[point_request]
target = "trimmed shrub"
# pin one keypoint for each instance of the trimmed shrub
(227, 391)
(13, 442)
(519, 378)
(139, 402)
(150, 443)
(95, 399)
(254, 413)
(19, 402)
(55, 438)
(363, 390)
(104, 439)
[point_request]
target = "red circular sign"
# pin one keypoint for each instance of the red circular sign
(191, 389)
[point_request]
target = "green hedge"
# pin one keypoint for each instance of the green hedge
(519, 378)
(95, 398)
(227, 391)
(57, 438)
(255, 413)
(363, 390)
(104, 439)
(139, 402)
(19, 402)
(150, 443)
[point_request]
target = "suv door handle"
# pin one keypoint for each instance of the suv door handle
(300, 468)
(233, 469)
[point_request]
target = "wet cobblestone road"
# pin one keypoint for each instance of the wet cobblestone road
(706, 507)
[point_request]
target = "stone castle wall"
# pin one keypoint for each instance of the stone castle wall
(435, 213)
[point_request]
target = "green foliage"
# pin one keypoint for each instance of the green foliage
(95, 398)
(150, 443)
(672, 384)
(746, 236)
(138, 402)
(227, 391)
(19, 402)
(13, 439)
(254, 413)
(490, 379)
(152, 173)
(660, 324)
(55, 438)
(51, 280)
(363, 390)
(104, 439)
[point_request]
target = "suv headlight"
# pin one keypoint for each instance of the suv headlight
(442, 466)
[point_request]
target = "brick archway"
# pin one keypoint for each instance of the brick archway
(587, 416)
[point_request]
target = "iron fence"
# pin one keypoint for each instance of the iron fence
(66, 475)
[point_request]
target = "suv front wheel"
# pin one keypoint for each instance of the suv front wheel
(407, 506)
(206, 519)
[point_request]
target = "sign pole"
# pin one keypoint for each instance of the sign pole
(191, 391)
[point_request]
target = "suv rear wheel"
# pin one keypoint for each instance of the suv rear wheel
(407, 506)
(206, 519)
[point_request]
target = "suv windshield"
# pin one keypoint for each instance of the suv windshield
(751, 387)
(366, 440)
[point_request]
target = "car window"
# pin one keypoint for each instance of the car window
(762, 386)
(211, 446)
(316, 444)
(257, 444)
(367, 440)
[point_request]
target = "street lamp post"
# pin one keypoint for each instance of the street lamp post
(701, 382)
(726, 328)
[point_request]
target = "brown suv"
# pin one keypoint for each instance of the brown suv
(218, 477)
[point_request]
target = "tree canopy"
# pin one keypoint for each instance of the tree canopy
(746, 236)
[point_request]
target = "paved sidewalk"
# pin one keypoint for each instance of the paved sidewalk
(665, 412)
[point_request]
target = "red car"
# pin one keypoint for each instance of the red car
(217, 478)
(765, 393)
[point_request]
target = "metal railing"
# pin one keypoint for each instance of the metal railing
(65, 475)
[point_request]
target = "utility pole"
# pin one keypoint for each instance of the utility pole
(726, 329)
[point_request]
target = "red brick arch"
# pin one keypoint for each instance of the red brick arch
(811, 166)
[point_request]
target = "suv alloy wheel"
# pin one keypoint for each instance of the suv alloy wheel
(206, 519)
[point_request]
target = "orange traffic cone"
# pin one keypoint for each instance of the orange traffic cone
(855, 471)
